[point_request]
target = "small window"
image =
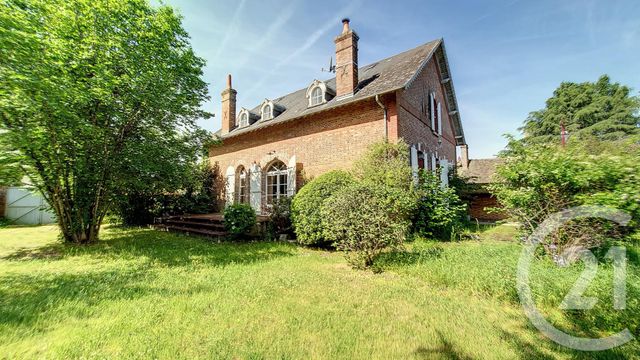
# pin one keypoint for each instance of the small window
(316, 96)
(244, 119)
(266, 112)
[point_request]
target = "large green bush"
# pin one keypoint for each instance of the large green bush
(305, 208)
(239, 219)
(357, 220)
(536, 181)
(440, 211)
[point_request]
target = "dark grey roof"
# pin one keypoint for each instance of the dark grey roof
(480, 171)
(381, 77)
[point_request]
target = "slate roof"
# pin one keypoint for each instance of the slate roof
(381, 77)
(480, 171)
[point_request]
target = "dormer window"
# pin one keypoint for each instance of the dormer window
(318, 93)
(316, 96)
(267, 112)
(244, 119)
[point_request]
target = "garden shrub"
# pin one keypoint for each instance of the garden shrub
(359, 223)
(306, 204)
(536, 181)
(280, 217)
(239, 219)
(439, 212)
(385, 164)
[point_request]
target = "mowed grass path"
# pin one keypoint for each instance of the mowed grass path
(146, 294)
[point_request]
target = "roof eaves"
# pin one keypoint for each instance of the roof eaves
(422, 65)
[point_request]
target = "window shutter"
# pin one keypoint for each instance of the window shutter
(433, 162)
(439, 119)
(425, 163)
(414, 163)
(444, 173)
(255, 188)
(432, 110)
(231, 189)
(291, 176)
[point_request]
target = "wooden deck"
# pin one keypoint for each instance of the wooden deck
(211, 225)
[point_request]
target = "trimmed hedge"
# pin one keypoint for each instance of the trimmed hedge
(305, 208)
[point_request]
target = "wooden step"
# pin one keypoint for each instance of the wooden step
(188, 223)
(192, 230)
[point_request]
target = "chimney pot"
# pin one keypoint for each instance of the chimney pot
(345, 25)
(229, 81)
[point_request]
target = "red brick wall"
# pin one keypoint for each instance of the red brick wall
(320, 142)
(478, 205)
(414, 124)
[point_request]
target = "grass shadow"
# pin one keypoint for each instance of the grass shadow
(169, 249)
(446, 350)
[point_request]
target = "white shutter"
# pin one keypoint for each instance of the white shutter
(444, 173)
(433, 162)
(432, 110)
(414, 163)
(425, 160)
(230, 190)
(255, 188)
(439, 119)
(291, 177)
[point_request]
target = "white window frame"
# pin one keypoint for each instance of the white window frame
(279, 178)
(432, 117)
(243, 118)
(268, 114)
(243, 186)
(439, 110)
(318, 99)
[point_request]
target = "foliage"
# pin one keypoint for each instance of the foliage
(602, 109)
(280, 216)
(359, 223)
(195, 193)
(536, 181)
(4, 222)
(385, 164)
(306, 204)
(10, 172)
(440, 211)
(239, 219)
(97, 96)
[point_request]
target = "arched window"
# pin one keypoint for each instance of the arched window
(266, 112)
(316, 96)
(277, 181)
(244, 119)
(243, 185)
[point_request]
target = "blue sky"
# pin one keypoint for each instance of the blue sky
(506, 56)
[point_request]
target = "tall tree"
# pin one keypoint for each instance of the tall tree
(95, 94)
(603, 109)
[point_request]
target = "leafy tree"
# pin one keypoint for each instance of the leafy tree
(10, 172)
(602, 109)
(97, 96)
(535, 181)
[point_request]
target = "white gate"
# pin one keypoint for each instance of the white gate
(27, 208)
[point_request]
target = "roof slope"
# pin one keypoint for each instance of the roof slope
(480, 171)
(381, 77)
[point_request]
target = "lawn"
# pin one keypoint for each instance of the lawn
(146, 294)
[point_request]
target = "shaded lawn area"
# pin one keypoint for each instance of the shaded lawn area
(146, 294)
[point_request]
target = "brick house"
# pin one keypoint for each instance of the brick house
(479, 174)
(268, 150)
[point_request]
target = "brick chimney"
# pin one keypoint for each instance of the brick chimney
(464, 156)
(228, 107)
(346, 61)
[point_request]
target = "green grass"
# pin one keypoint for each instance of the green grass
(146, 294)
